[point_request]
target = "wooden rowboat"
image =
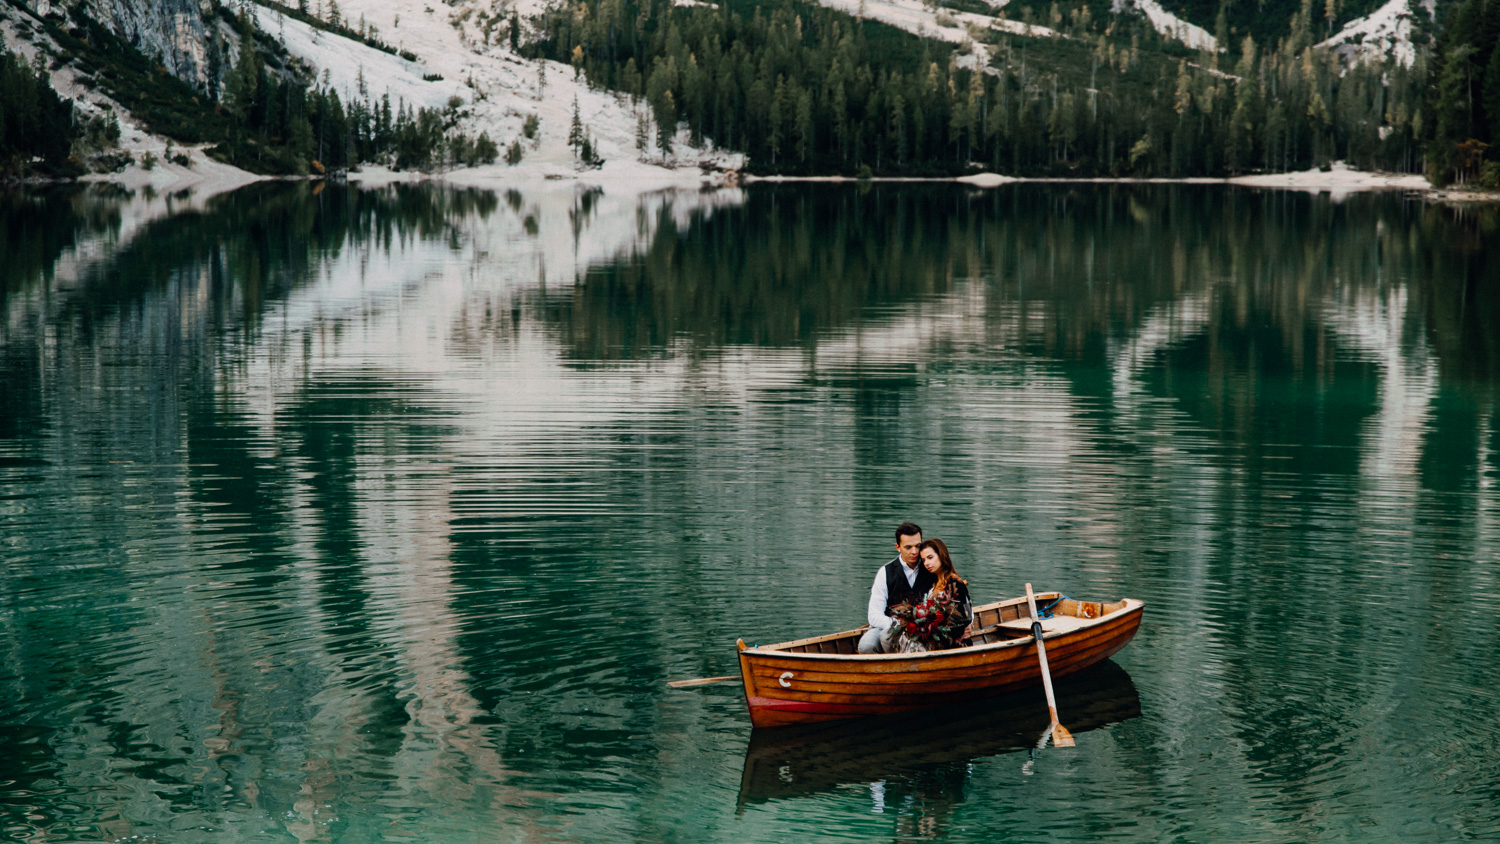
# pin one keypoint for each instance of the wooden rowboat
(824, 678)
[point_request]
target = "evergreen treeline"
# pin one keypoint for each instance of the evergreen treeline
(35, 123)
(805, 89)
(1464, 97)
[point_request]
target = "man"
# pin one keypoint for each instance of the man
(902, 579)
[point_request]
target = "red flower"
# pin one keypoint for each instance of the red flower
(911, 628)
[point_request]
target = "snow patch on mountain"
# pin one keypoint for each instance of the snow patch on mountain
(1169, 24)
(1385, 32)
(348, 66)
(924, 20)
(494, 91)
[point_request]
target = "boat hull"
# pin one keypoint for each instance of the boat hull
(784, 687)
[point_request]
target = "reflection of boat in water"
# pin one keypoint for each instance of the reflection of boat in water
(808, 759)
(823, 678)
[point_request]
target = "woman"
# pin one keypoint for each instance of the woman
(945, 612)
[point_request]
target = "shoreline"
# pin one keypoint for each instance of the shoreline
(1339, 180)
(210, 178)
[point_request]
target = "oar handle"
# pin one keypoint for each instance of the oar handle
(701, 681)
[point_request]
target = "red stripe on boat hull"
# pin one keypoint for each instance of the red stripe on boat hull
(809, 707)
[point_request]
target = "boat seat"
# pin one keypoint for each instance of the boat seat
(1055, 624)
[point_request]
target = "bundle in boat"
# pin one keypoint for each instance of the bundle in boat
(824, 678)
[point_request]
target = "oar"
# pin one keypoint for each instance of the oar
(701, 681)
(1060, 735)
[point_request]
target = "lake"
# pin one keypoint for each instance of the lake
(356, 515)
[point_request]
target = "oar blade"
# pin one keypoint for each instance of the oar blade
(1061, 737)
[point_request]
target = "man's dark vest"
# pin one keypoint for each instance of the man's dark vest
(896, 588)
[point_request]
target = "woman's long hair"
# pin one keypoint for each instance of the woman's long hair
(945, 572)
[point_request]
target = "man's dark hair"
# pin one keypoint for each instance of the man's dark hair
(907, 529)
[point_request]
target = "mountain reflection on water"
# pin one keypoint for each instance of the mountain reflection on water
(364, 515)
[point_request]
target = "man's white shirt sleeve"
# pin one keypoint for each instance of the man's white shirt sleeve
(875, 613)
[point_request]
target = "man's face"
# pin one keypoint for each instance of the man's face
(907, 545)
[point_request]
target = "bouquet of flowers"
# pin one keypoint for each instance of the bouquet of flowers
(933, 624)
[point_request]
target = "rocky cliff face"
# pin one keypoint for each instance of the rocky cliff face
(175, 32)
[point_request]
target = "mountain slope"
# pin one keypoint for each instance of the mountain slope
(1390, 31)
(498, 89)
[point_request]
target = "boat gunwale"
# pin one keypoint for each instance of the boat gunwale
(1132, 605)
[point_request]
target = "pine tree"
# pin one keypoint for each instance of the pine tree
(630, 79)
(897, 127)
(1491, 96)
(244, 80)
(1452, 122)
(805, 139)
(776, 119)
(575, 131)
(663, 102)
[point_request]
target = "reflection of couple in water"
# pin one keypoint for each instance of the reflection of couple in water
(918, 602)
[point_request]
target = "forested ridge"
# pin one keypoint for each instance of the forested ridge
(806, 89)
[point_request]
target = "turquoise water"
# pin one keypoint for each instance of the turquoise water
(386, 515)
